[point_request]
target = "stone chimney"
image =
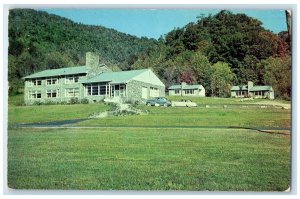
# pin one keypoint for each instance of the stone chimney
(91, 60)
(249, 85)
(183, 83)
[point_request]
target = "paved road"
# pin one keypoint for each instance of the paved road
(69, 124)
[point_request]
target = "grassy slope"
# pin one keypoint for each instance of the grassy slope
(147, 159)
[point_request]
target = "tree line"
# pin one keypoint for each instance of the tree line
(217, 51)
(220, 51)
(39, 41)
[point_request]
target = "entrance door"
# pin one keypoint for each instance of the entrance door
(144, 92)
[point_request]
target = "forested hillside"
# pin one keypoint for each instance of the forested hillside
(217, 51)
(221, 50)
(38, 41)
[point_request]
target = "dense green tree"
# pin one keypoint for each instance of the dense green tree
(221, 81)
(39, 41)
(278, 74)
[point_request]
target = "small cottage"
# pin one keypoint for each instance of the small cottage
(184, 89)
(93, 82)
(250, 90)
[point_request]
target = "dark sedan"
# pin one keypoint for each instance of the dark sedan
(158, 101)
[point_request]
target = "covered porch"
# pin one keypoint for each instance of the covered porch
(105, 89)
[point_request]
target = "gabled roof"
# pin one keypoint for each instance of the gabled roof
(239, 88)
(261, 88)
(115, 77)
(254, 88)
(185, 86)
(58, 72)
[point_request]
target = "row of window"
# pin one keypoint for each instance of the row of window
(97, 89)
(187, 92)
(69, 92)
(241, 93)
(259, 93)
(54, 81)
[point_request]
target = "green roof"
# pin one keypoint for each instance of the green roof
(254, 88)
(185, 86)
(261, 88)
(115, 77)
(239, 88)
(58, 72)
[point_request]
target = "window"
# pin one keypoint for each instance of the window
(52, 93)
(258, 93)
(189, 92)
(72, 92)
(72, 79)
(177, 91)
(240, 93)
(103, 89)
(96, 89)
(51, 81)
(35, 82)
(34, 94)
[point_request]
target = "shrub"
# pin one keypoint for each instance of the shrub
(38, 103)
(63, 103)
(112, 106)
(84, 101)
(74, 100)
(49, 103)
(132, 102)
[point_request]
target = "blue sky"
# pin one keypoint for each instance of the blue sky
(152, 23)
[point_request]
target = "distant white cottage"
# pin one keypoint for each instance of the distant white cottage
(250, 90)
(184, 89)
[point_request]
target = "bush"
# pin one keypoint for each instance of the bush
(132, 102)
(38, 103)
(112, 106)
(84, 101)
(63, 103)
(49, 103)
(74, 100)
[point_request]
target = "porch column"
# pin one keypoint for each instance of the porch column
(109, 90)
(105, 89)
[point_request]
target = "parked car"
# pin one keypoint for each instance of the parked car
(158, 101)
(184, 103)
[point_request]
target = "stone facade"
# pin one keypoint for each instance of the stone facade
(135, 89)
(47, 91)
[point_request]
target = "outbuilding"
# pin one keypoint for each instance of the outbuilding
(184, 89)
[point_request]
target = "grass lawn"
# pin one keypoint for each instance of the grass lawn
(46, 113)
(207, 117)
(143, 158)
(148, 159)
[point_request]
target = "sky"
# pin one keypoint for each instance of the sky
(153, 23)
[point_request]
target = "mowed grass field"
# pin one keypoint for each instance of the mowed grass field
(165, 150)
